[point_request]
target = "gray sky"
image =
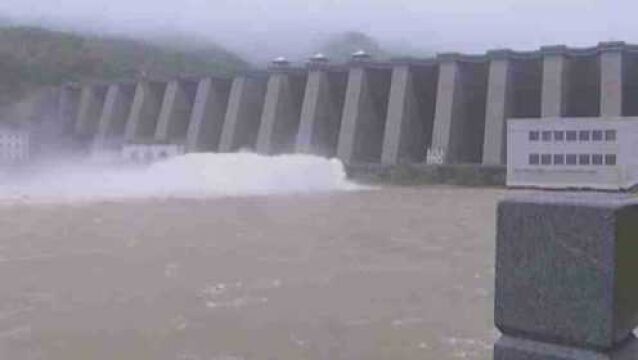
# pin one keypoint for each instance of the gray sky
(289, 27)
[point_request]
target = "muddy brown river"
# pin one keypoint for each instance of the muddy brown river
(398, 273)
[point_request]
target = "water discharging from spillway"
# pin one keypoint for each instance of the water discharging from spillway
(189, 176)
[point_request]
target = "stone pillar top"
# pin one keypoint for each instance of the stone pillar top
(499, 54)
(448, 57)
(612, 46)
(321, 62)
(554, 50)
(361, 56)
(281, 62)
(283, 65)
(407, 61)
(319, 58)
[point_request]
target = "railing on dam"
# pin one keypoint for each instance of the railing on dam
(452, 107)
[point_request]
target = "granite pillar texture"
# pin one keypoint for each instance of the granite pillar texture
(565, 277)
(554, 87)
(611, 79)
(207, 119)
(497, 109)
(243, 116)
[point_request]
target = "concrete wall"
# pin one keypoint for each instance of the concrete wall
(92, 99)
(410, 115)
(115, 112)
(243, 116)
(282, 111)
(365, 111)
(145, 111)
(321, 111)
(207, 117)
(175, 113)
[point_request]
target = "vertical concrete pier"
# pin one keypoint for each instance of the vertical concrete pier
(209, 110)
(117, 106)
(611, 81)
(68, 107)
(497, 109)
(322, 108)
(175, 113)
(449, 110)
(365, 111)
(282, 109)
(565, 269)
(243, 116)
(555, 71)
(147, 102)
(459, 124)
(410, 116)
(90, 109)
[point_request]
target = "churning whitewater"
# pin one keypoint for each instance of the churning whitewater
(187, 176)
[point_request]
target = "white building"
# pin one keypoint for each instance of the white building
(147, 153)
(594, 153)
(15, 146)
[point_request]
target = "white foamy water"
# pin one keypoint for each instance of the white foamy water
(188, 176)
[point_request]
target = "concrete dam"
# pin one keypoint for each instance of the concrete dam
(450, 109)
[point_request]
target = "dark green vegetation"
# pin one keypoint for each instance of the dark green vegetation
(33, 57)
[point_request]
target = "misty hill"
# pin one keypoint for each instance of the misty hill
(34, 57)
(340, 47)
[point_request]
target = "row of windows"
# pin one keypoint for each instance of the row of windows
(12, 145)
(572, 159)
(573, 135)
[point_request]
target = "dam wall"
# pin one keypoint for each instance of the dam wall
(450, 109)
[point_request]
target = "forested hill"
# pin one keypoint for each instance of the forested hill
(34, 57)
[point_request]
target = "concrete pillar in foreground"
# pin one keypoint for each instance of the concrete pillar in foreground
(555, 87)
(565, 278)
(175, 113)
(114, 113)
(243, 115)
(449, 112)
(404, 124)
(145, 110)
(320, 113)
(282, 111)
(497, 109)
(207, 119)
(89, 111)
(611, 79)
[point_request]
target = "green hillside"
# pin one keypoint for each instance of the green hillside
(34, 57)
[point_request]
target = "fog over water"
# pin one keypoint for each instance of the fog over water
(188, 176)
(291, 27)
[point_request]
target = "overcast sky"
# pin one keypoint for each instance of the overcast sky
(289, 27)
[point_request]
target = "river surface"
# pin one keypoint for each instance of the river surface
(397, 273)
